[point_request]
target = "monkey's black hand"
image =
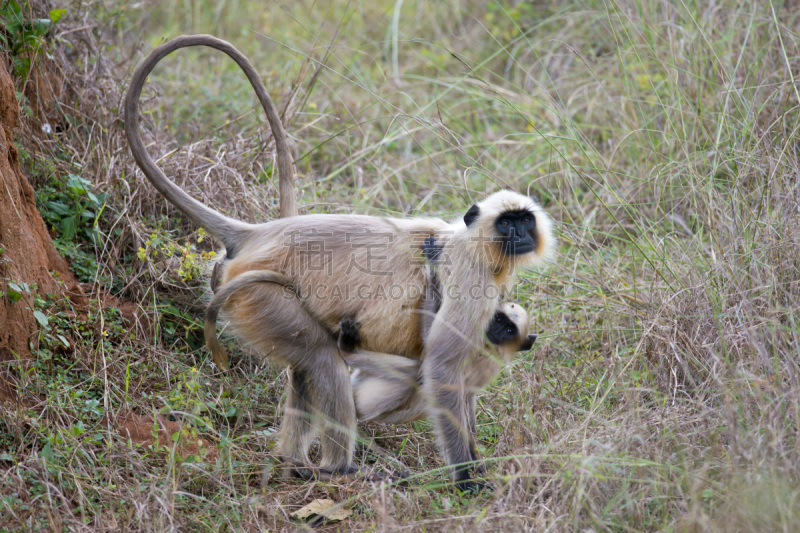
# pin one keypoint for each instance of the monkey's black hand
(473, 486)
(348, 334)
(346, 471)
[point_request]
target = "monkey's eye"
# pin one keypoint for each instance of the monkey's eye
(509, 331)
(504, 223)
(526, 220)
(498, 319)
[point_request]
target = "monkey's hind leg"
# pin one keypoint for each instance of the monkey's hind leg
(333, 397)
(315, 399)
(319, 396)
(297, 429)
(480, 466)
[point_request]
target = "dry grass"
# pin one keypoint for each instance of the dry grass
(663, 393)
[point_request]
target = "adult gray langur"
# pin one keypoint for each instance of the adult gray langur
(367, 268)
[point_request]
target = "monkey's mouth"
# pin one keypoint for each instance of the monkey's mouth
(528, 344)
(519, 247)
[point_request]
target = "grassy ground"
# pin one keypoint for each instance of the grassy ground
(664, 390)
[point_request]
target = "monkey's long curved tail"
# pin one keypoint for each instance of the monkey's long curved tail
(228, 230)
(218, 353)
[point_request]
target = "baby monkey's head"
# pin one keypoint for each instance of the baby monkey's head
(508, 330)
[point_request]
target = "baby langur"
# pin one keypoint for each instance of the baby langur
(387, 388)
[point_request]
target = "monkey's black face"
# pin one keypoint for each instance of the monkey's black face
(502, 329)
(517, 231)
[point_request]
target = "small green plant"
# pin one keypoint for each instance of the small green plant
(15, 290)
(55, 329)
(24, 37)
(70, 207)
(161, 246)
(200, 409)
(82, 263)
(186, 395)
(62, 331)
(509, 19)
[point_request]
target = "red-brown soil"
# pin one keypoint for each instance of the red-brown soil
(28, 255)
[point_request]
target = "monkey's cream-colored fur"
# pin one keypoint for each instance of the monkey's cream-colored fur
(370, 268)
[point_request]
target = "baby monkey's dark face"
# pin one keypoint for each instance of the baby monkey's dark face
(509, 327)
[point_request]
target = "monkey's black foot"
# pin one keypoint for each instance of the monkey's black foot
(348, 334)
(473, 486)
(479, 468)
(321, 474)
(299, 470)
(399, 479)
(339, 472)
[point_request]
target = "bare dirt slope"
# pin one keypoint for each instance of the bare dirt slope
(28, 255)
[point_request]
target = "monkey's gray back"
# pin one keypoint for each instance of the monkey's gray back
(365, 267)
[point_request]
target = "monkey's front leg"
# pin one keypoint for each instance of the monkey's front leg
(480, 467)
(450, 413)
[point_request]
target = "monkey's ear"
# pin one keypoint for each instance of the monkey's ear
(472, 214)
(528, 344)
